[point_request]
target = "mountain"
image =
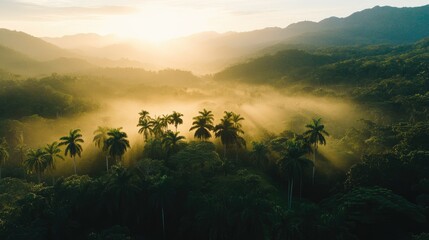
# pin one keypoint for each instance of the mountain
(33, 47)
(379, 25)
(210, 52)
(16, 62)
(82, 40)
(334, 65)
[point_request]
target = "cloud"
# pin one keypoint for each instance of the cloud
(11, 10)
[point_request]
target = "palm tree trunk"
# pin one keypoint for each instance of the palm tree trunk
(0, 172)
(288, 193)
(236, 153)
(291, 193)
(74, 164)
(107, 163)
(314, 161)
(163, 222)
(224, 151)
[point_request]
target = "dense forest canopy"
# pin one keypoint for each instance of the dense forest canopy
(309, 142)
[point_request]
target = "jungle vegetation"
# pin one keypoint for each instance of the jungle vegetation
(67, 174)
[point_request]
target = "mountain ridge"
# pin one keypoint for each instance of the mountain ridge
(210, 52)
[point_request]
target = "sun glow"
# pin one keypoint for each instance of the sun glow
(159, 23)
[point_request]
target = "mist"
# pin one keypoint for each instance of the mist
(267, 111)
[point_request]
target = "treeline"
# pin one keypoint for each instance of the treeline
(388, 79)
(332, 66)
(48, 97)
(281, 188)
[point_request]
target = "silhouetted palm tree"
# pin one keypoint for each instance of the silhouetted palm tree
(233, 121)
(4, 154)
(314, 134)
(227, 133)
(203, 125)
(208, 115)
(158, 126)
(176, 119)
(99, 139)
(145, 128)
(236, 119)
(203, 128)
(73, 147)
(52, 154)
(117, 143)
(165, 120)
(171, 141)
(37, 161)
(291, 162)
(144, 115)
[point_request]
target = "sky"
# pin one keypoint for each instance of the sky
(158, 20)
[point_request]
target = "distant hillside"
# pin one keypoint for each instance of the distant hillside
(82, 40)
(370, 26)
(335, 65)
(210, 52)
(13, 61)
(31, 46)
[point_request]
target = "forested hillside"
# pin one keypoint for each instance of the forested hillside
(222, 158)
(322, 134)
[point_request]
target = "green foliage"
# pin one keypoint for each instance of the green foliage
(49, 97)
(377, 212)
(197, 159)
(117, 143)
(73, 145)
(285, 64)
(422, 236)
(203, 124)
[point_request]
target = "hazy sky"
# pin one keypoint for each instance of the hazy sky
(164, 19)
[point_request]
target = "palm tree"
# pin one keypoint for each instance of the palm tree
(165, 120)
(145, 128)
(227, 133)
(235, 118)
(232, 127)
(158, 126)
(203, 125)
(99, 139)
(144, 115)
(52, 153)
(176, 119)
(207, 115)
(314, 134)
(291, 162)
(117, 143)
(202, 128)
(4, 154)
(171, 141)
(37, 161)
(72, 143)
